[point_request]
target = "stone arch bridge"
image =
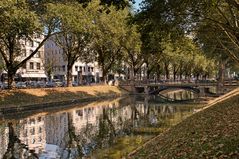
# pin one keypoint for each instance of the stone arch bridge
(156, 88)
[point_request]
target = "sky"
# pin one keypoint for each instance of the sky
(136, 5)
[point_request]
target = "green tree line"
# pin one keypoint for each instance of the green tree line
(164, 38)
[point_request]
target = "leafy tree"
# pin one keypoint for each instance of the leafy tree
(157, 24)
(49, 65)
(131, 44)
(108, 33)
(218, 15)
(75, 37)
(19, 23)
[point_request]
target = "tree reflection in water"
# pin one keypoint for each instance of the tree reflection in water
(99, 130)
(16, 149)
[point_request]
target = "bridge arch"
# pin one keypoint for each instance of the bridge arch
(157, 90)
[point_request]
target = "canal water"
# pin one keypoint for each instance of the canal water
(103, 129)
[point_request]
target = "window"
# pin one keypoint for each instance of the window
(31, 65)
(88, 69)
(76, 68)
(32, 43)
(32, 121)
(37, 43)
(80, 68)
(32, 131)
(33, 141)
(64, 68)
(79, 112)
(40, 130)
(39, 119)
(25, 133)
(24, 52)
(39, 139)
(39, 54)
(24, 66)
(31, 51)
(38, 66)
(84, 69)
(92, 69)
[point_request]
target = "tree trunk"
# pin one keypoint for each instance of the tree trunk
(158, 73)
(104, 74)
(180, 73)
(69, 76)
(11, 73)
(197, 76)
(221, 72)
(135, 73)
(166, 71)
(174, 73)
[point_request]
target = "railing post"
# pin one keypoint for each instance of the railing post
(132, 86)
(146, 89)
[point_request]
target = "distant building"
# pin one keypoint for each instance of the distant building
(34, 68)
(56, 65)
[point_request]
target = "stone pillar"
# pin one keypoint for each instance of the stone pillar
(202, 91)
(132, 87)
(146, 90)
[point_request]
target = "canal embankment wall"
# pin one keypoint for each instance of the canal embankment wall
(31, 99)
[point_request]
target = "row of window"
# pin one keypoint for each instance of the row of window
(77, 68)
(30, 43)
(24, 52)
(55, 52)
(33, 65)
(49, 45)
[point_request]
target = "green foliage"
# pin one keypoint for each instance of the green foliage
(108, 32)
(18, 22)
(217, 21)
(132, 44)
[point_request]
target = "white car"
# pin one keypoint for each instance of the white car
(41, 84)
(21, 85)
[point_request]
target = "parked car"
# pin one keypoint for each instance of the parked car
(3, 85)
(41, 84)
(50, 84)
(74, 84)
(59, 84)
(21, 85)
(31, 84)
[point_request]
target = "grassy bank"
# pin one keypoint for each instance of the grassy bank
(211, 133)
(22, 97)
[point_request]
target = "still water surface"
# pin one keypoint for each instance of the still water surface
(108, 129)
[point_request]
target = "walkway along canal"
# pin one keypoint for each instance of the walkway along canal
(109, 129)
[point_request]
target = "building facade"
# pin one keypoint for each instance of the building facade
(34, 68)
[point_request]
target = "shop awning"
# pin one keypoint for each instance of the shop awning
(34, 75)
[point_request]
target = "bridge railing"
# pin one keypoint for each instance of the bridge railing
(177, 82)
